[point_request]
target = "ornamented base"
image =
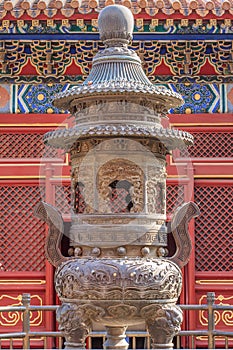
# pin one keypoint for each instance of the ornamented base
(163, 323)
(118, 293)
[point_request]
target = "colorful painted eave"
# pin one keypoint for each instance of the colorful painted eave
(69, 8)
(178, 41)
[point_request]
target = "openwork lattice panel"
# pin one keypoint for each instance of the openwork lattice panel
(25, 145)
(62, 198)
(175, 197)
(214, 228)
(210, 145)
(23, 236)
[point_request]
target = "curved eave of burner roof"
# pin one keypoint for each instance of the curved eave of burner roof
(171, 138)
(68, 8)
(118, 87)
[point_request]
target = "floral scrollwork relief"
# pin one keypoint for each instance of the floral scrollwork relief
(122, 311)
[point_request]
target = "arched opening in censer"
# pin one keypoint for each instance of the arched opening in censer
(121, 186)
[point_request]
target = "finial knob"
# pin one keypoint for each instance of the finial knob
(116, 25)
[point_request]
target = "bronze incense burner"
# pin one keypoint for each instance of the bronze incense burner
(119, 275)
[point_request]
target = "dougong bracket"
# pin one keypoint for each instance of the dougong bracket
(53, 218)
(179, 228)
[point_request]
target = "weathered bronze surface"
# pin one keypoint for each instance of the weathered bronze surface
(119, 275)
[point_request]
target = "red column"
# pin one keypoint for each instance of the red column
(49, 270)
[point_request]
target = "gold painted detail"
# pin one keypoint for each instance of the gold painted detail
(22, 177)
(221, 282)
(206, 176)
(205, 338)
(9, 282)
(226, 316)
(12, 318)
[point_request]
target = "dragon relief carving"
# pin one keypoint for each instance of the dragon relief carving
(82, 184)
(156, 188)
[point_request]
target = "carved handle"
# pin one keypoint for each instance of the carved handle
(179, 228)
(53, 218)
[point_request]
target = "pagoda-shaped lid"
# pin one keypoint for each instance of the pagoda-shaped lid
(117, 70)
(117, 99)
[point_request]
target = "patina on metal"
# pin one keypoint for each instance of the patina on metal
(119, 275)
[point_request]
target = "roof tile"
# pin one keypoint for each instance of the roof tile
(69, 7)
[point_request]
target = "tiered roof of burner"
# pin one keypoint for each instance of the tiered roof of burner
(117, 69)
(117, 74)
